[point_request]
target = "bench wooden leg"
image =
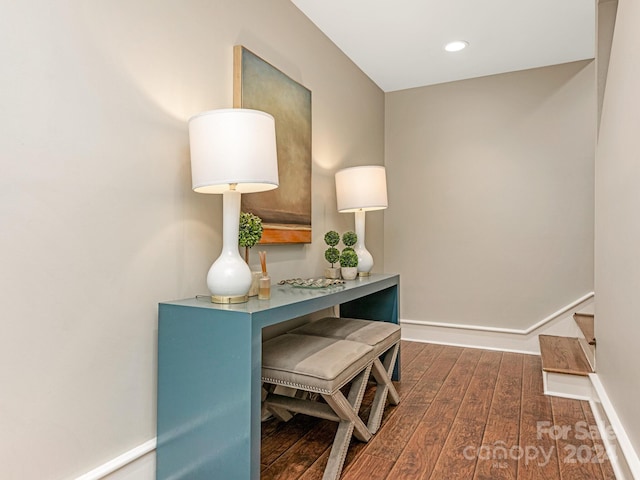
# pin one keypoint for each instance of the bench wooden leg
(384, 389)
(347, 410)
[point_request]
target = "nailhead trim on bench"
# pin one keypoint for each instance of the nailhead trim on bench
(299, 385)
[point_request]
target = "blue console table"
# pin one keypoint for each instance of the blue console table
(209, 366)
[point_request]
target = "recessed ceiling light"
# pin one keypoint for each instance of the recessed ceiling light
(456, 46)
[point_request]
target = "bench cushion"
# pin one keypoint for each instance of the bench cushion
(380, 335)
(313, 363)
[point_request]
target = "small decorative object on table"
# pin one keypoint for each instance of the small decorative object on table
(349, 257)
(312, 282)
(249, 234)
(264, 290)
(332, 254)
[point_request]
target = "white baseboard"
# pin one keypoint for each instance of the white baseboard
(493, 338)
(139, 463)
(620, 451)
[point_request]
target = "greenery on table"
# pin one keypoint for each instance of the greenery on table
(348, 258)
(332, 254)
(250, 232)
(332, 238)
(349, 239)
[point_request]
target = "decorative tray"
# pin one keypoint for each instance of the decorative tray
(312, 282)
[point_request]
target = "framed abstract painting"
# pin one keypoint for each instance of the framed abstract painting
(285, 211)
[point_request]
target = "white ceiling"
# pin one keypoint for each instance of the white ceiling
(399, 43)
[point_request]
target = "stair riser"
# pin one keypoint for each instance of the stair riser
(567, 386)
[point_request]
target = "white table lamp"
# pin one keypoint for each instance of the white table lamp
(233, 151)
(359, 189)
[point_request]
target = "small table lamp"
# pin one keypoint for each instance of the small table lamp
(359, 189)
(233, 151)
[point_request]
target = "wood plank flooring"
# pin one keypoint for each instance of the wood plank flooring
(464, 414)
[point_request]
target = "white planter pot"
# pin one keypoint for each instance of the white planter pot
(332, 273)
(349, 273)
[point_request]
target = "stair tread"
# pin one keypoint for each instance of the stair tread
(585, 322)
(563, 355)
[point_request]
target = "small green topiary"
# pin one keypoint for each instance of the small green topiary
(250, 232)
(332, 255)
(348, 257)
(332, 238)
(349, 238)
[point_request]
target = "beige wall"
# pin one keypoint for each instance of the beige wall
(617, 231)
(97, 216)
(490, 218)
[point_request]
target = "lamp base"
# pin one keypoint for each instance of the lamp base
(365, 260)
(229, 278)
(229, 299)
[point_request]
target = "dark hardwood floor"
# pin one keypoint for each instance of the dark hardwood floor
(464, 414)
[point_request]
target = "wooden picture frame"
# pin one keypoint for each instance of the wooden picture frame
(285, 211)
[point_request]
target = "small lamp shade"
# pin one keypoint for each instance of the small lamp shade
(233, 146)
(361, 188)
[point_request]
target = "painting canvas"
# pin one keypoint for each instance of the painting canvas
(285, 211)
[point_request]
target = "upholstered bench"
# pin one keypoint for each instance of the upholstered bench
(384, 337)
(321, 365)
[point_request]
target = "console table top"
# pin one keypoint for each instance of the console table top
(286, 295)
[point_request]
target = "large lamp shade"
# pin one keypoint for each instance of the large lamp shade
(233, 146)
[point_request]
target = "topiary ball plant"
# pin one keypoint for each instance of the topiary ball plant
(332, 238)
(348, 258)
(250, 232)
(349, 239)
(332, 254)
